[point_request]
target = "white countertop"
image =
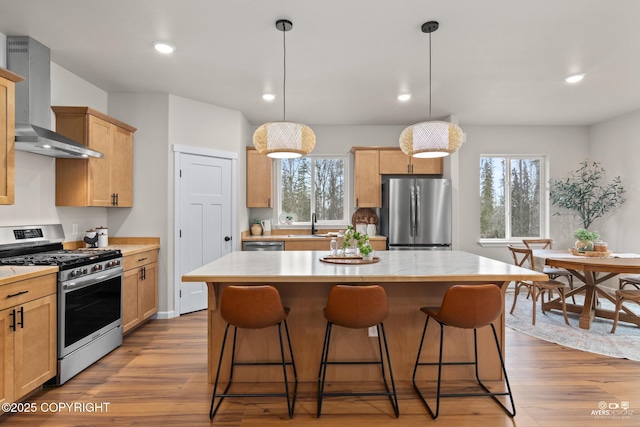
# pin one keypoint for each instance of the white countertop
(394, 266)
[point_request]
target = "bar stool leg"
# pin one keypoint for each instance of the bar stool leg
(393, 396)
(290, 405)
(212, 409)
(323, 366)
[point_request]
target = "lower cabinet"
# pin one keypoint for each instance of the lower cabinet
(139, 288)
(27, 337)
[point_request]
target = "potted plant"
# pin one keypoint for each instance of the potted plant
(256, 228)
(367, 251)
(585, 195)
(585, 239)
(355, 242)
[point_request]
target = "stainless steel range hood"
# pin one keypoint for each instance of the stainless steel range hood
(32, 60)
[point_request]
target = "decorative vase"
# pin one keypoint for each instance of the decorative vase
(256, 230)
(584, 245)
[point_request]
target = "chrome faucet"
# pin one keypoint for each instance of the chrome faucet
(313, 223)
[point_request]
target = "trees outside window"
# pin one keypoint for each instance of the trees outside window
(313, 184)
(511, 205)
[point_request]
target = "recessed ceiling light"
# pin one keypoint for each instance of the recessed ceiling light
(404, 97)
(268, 97)
(575, 78)
(164, 47)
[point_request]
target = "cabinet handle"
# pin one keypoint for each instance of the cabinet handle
(357, 204)
(408, 168)
(117, 199)
(13, 320)
(141, 273)
(269, 202)
(141, 259)
(113, 199)
(412, 168)
(144, 273)
(21, 322)
(19, 293)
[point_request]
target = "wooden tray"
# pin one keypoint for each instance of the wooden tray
(349, 260)
(590, 254)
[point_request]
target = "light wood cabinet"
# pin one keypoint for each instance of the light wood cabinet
(139, 288)
(259, 180)
(7, 135)
(27, 336)
(396, 162)
(366, 174)
(95, 182)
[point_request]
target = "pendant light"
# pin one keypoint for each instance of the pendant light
(284, 139)
(431, 138)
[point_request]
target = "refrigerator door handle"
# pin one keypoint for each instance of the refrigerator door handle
(412, 210)
(418, 214)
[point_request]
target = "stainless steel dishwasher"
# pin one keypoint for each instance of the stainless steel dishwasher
(263, 246)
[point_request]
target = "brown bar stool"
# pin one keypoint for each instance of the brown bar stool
(357, 307)
(623, 295)
(254, 307)
(466, 307)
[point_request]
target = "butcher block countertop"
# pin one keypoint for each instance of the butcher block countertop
(12, 273)
(127, 245)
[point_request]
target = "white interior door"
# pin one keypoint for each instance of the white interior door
(205, 220)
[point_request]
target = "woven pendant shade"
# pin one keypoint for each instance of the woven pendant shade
(431, 139)
(284, 140)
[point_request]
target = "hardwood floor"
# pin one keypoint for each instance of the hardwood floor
(158, 377)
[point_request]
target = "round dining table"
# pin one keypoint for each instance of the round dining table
(592, 271)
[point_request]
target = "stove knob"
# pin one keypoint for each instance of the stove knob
(72, 274)
(84, 271)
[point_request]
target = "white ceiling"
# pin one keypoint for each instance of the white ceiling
(494, 61)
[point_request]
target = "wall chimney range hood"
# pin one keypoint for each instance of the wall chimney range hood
(32, 60)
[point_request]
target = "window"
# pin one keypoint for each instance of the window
(313, 184)
(511, 202)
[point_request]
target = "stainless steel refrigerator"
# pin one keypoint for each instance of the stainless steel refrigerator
(416, 213)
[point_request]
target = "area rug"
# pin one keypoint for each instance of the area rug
(550, 326)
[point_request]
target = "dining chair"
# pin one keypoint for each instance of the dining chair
(552, 272)
(625, 281)
(623, 295)
(523, 257)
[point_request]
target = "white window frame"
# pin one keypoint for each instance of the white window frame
(544, 197)
(347, 193)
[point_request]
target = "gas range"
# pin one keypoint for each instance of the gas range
(89, 294)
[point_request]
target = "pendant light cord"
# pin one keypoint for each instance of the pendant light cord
(284, 80)
(429, 76)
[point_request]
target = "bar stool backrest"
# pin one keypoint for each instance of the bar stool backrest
(356, 306)
(252, 307)
(470, 306)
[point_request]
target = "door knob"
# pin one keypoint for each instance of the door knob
(227, 238)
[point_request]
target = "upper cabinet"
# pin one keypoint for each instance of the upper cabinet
(259, 180)
(95, 182)
(394, 161)
(367, 178)
(7, 137)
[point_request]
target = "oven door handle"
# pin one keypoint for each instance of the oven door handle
(83, 282)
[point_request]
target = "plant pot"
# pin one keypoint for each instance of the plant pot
(584, 245)
(256, 230)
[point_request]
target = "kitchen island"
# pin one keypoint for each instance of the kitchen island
(412, 279)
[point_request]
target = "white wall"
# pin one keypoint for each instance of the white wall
(614, 144)
(565, 148)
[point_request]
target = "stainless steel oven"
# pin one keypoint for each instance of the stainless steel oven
(89, 315)
(89, 292)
